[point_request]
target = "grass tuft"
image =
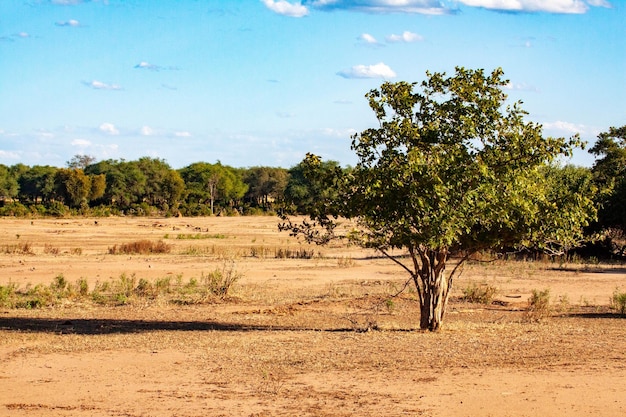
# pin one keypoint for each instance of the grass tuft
(140, 247)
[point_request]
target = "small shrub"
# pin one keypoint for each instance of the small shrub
(220, 281)
(618, 302)
(163, 285)
(345, 262)
(83, 287)
(479, 293)
(539, 305)
(76, 251)
(140, 247)
(51, 250)
(7, 295)
(300, 253)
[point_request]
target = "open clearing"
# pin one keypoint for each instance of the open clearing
(306, 337)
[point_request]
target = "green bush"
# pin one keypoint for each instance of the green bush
(618, 302)
(479, 293)
(539, 305)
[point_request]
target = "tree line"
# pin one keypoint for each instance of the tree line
(150, 186)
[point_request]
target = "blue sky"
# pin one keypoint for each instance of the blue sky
(262, 82)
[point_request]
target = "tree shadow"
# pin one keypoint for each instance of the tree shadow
(591, 269)
(126, 326)
(598, 315)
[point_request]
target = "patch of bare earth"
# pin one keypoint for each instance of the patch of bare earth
(307, 337)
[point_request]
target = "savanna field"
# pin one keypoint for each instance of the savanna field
(226, 316)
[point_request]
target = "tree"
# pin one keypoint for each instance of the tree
(609, 172)
(212, 183)
(307, 185)
(450, 169)
(8, 184)
(265, 184)
(80, 161)
(125, 183)
(72, 186)
(37, 183)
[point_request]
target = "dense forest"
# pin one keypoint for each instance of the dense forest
(149, 187)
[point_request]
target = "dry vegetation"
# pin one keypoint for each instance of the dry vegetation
(225, 316)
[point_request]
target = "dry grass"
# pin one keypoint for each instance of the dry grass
(319, 336)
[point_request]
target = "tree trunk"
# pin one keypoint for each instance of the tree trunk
(433, 289)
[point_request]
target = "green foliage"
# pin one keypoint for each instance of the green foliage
(451, 167)
(212, 184)
(539, 305)
(609, 172)
(479, 293)
(618, 301)
(266, 185)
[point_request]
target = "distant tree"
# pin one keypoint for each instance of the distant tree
(72, 186)
(37, 183)
(212, 184)
(125, 182)
(307, 185)
(265, 184)
(609, 170)
(98, 186)
(162, 188)
(8, 183)
(450, 169)
(80, 161)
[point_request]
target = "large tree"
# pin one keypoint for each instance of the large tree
(609, 172)
(451, 168)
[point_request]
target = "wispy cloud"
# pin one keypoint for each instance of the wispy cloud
(153, 67)
(368, 39)
(520, 87)
(81, 143)
(531, 6)
(380, 70)
(431, 7)
(146, 131)
(567, 128)
(285, 8)
(406, 36)
(69, 23)
(9, 154)
(182, 134)
(99, 85)
(66, 2)
(109, 128)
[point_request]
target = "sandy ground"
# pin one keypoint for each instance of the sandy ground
(307, 337)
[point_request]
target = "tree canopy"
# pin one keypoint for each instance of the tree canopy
(451, 168)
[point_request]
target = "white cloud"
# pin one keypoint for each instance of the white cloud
(550, 6)
(153, 67)
(600, 3)
(561, 127)
(520, 87)
(109, 128)
(99, 85)
(379, 70)
(286, 9)
(22, 35)
(369, 39)
(147, 131)
(66, 2)
(182, 134)
(9, 154)
(72, 23)
(81, 143)
(406, 36)
(429, 7)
